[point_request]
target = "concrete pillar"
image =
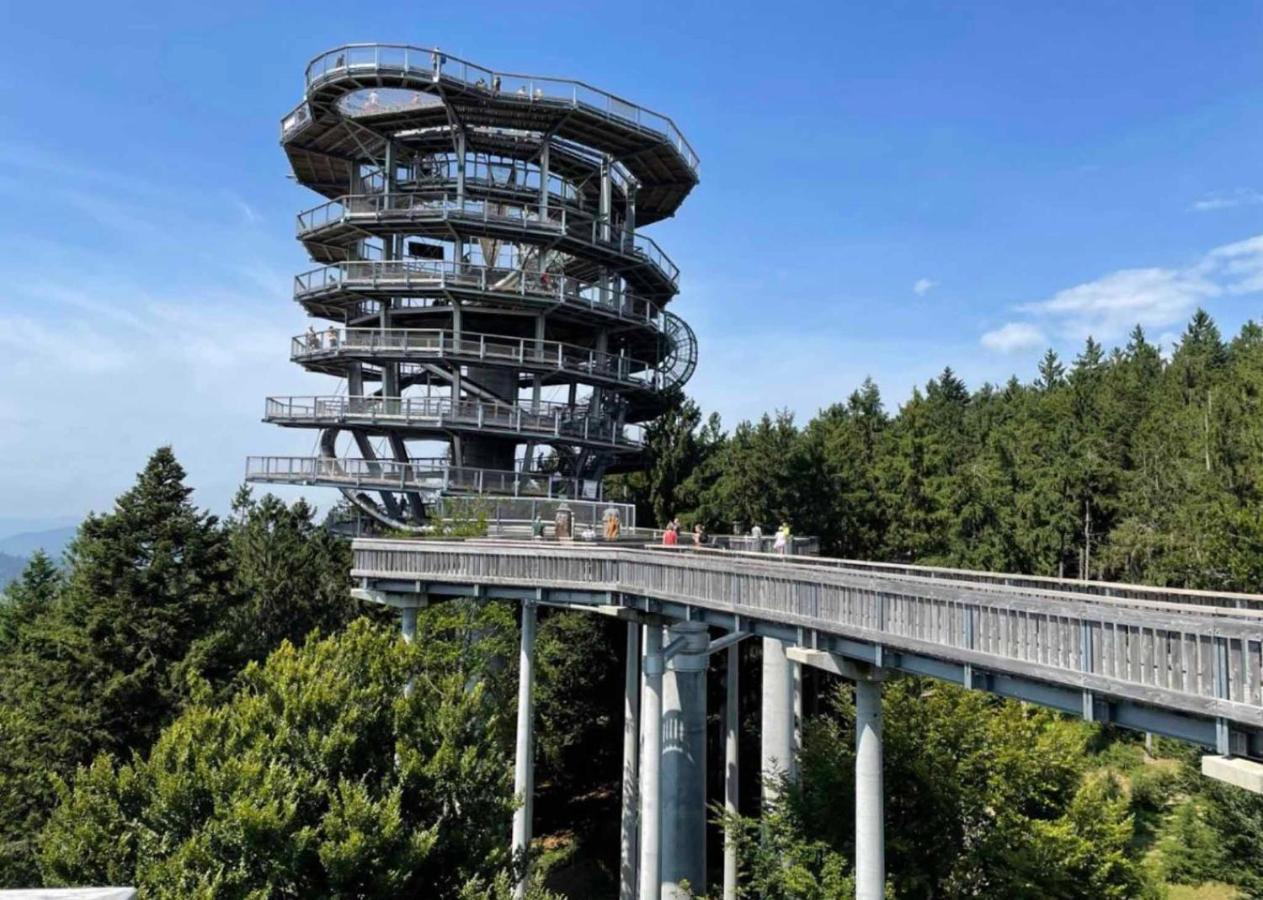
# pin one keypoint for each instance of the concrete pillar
(631, 765)
(524, 768)
(650, 764)
(732, 771)
(683, 853)
(870, 845)
(779, 747)
(408, 625)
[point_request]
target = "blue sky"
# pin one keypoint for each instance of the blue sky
(887, 188)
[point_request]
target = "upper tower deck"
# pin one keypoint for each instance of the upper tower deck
(503, 112)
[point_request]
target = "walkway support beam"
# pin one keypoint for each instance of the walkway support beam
(732, 770)
(524, 768)
(870, 839)
(631, 765)
(650, 763)
(683, 852)
(779, 728)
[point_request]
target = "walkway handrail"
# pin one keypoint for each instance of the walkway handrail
(445, 205)
(1180, 657)
(1105, 591)
(405, 275)
(474, 345)
(437, 65)
(544, 419)
(429, 475)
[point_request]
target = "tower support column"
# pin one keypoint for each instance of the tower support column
(732, 771)
(524, 766)
(779, 729)
(870, 840)
(684, 761)
(631, 765)
(650, 764)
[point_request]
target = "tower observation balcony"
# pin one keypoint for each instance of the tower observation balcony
(496, 316)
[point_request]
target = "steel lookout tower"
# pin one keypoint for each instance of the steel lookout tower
(486, 294)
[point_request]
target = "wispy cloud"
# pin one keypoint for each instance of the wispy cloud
(1014, 336)
(923, 286)
(1156, 298)
(1227, 200)
(161, 317)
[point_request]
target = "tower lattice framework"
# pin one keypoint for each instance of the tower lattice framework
(486, 295)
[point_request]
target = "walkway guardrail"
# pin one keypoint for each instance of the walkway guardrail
(541, 420)
(410, 207)
(1168, 655)
(412, 343)
(437, 66)
(422, 475)
(405, 276)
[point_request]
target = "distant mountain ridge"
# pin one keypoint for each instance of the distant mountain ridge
(53, 541)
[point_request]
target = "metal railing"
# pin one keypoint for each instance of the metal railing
(432, 64)
(1036, 585)
(408, 343)
(402, 276)
(543, 420)
(512, 176)
(421, 475)
(1166, 655)
(444, 206)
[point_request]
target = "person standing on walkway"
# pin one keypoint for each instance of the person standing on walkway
(781, 543)
(670, 537)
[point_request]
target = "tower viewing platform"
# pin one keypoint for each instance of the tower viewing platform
(488, 298)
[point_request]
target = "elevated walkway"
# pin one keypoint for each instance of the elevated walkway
(1185, 664)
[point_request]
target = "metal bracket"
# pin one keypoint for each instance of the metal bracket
(837, 665)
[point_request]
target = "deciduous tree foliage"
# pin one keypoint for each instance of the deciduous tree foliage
(319, 777)
(984, 798)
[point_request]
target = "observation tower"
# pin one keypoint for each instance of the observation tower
(496, 317)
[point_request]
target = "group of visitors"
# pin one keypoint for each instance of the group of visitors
(780, 543)
(671, 535)
(313, 338)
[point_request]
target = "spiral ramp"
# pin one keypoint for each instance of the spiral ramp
(496, 316)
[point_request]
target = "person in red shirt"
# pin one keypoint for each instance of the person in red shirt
(670, 537)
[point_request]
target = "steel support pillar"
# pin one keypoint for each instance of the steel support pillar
(650, 764)
(870, 842)
(631, 765)
(524, 768)
(779, 730)
(408, 626)
(683, 853)
(732, 771)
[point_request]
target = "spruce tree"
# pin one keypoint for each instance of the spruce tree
(103, 669)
